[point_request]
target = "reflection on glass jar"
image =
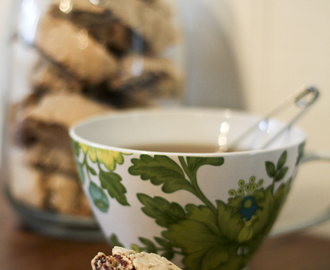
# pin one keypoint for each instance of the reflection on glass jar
(72, 59)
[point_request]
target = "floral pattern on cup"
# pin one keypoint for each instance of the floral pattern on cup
(110, 181)
(210, 235)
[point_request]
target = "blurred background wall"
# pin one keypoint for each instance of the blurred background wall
(257, 53)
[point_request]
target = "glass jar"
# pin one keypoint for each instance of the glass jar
(68, 60)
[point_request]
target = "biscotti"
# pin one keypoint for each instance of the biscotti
(151, 21)
(73, 49)
(125, 259)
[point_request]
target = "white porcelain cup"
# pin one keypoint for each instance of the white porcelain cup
(203, 210)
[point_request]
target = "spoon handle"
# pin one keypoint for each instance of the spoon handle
(301, 99)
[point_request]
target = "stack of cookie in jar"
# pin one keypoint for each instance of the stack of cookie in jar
(91, 60)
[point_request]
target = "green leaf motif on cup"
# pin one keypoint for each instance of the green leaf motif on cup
(76, 147)
(160, 170)
(161, 210)
(99, 198)
(110, 181)
(194, 163)
(114, 240)
(211, 235)
(81, 172)
(278, 172)
(150, 246)
(165, 248)
(270, 169)
(282, 160)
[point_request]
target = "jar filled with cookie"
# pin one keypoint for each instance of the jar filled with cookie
(69, 60)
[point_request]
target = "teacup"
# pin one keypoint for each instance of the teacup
(156, 182)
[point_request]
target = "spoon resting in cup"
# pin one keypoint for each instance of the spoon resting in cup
(300, 101)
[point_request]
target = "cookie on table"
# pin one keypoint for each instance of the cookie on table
(125, 259)
(74, 50)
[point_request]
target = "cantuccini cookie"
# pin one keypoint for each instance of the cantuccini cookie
(65, 109)
(45, 188)
(156, 29)
(73, 49)
(151, 21)
(49, 120)
(104, 27)
(125, 259)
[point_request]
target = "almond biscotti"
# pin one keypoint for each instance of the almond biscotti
(46, 189)
(152, 21)
(125, 259)
(103, 26)
(49, 119)
(73, 49)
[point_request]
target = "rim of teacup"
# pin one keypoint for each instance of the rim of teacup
(229, 113)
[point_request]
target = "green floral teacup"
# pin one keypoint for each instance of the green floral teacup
(157, 183)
